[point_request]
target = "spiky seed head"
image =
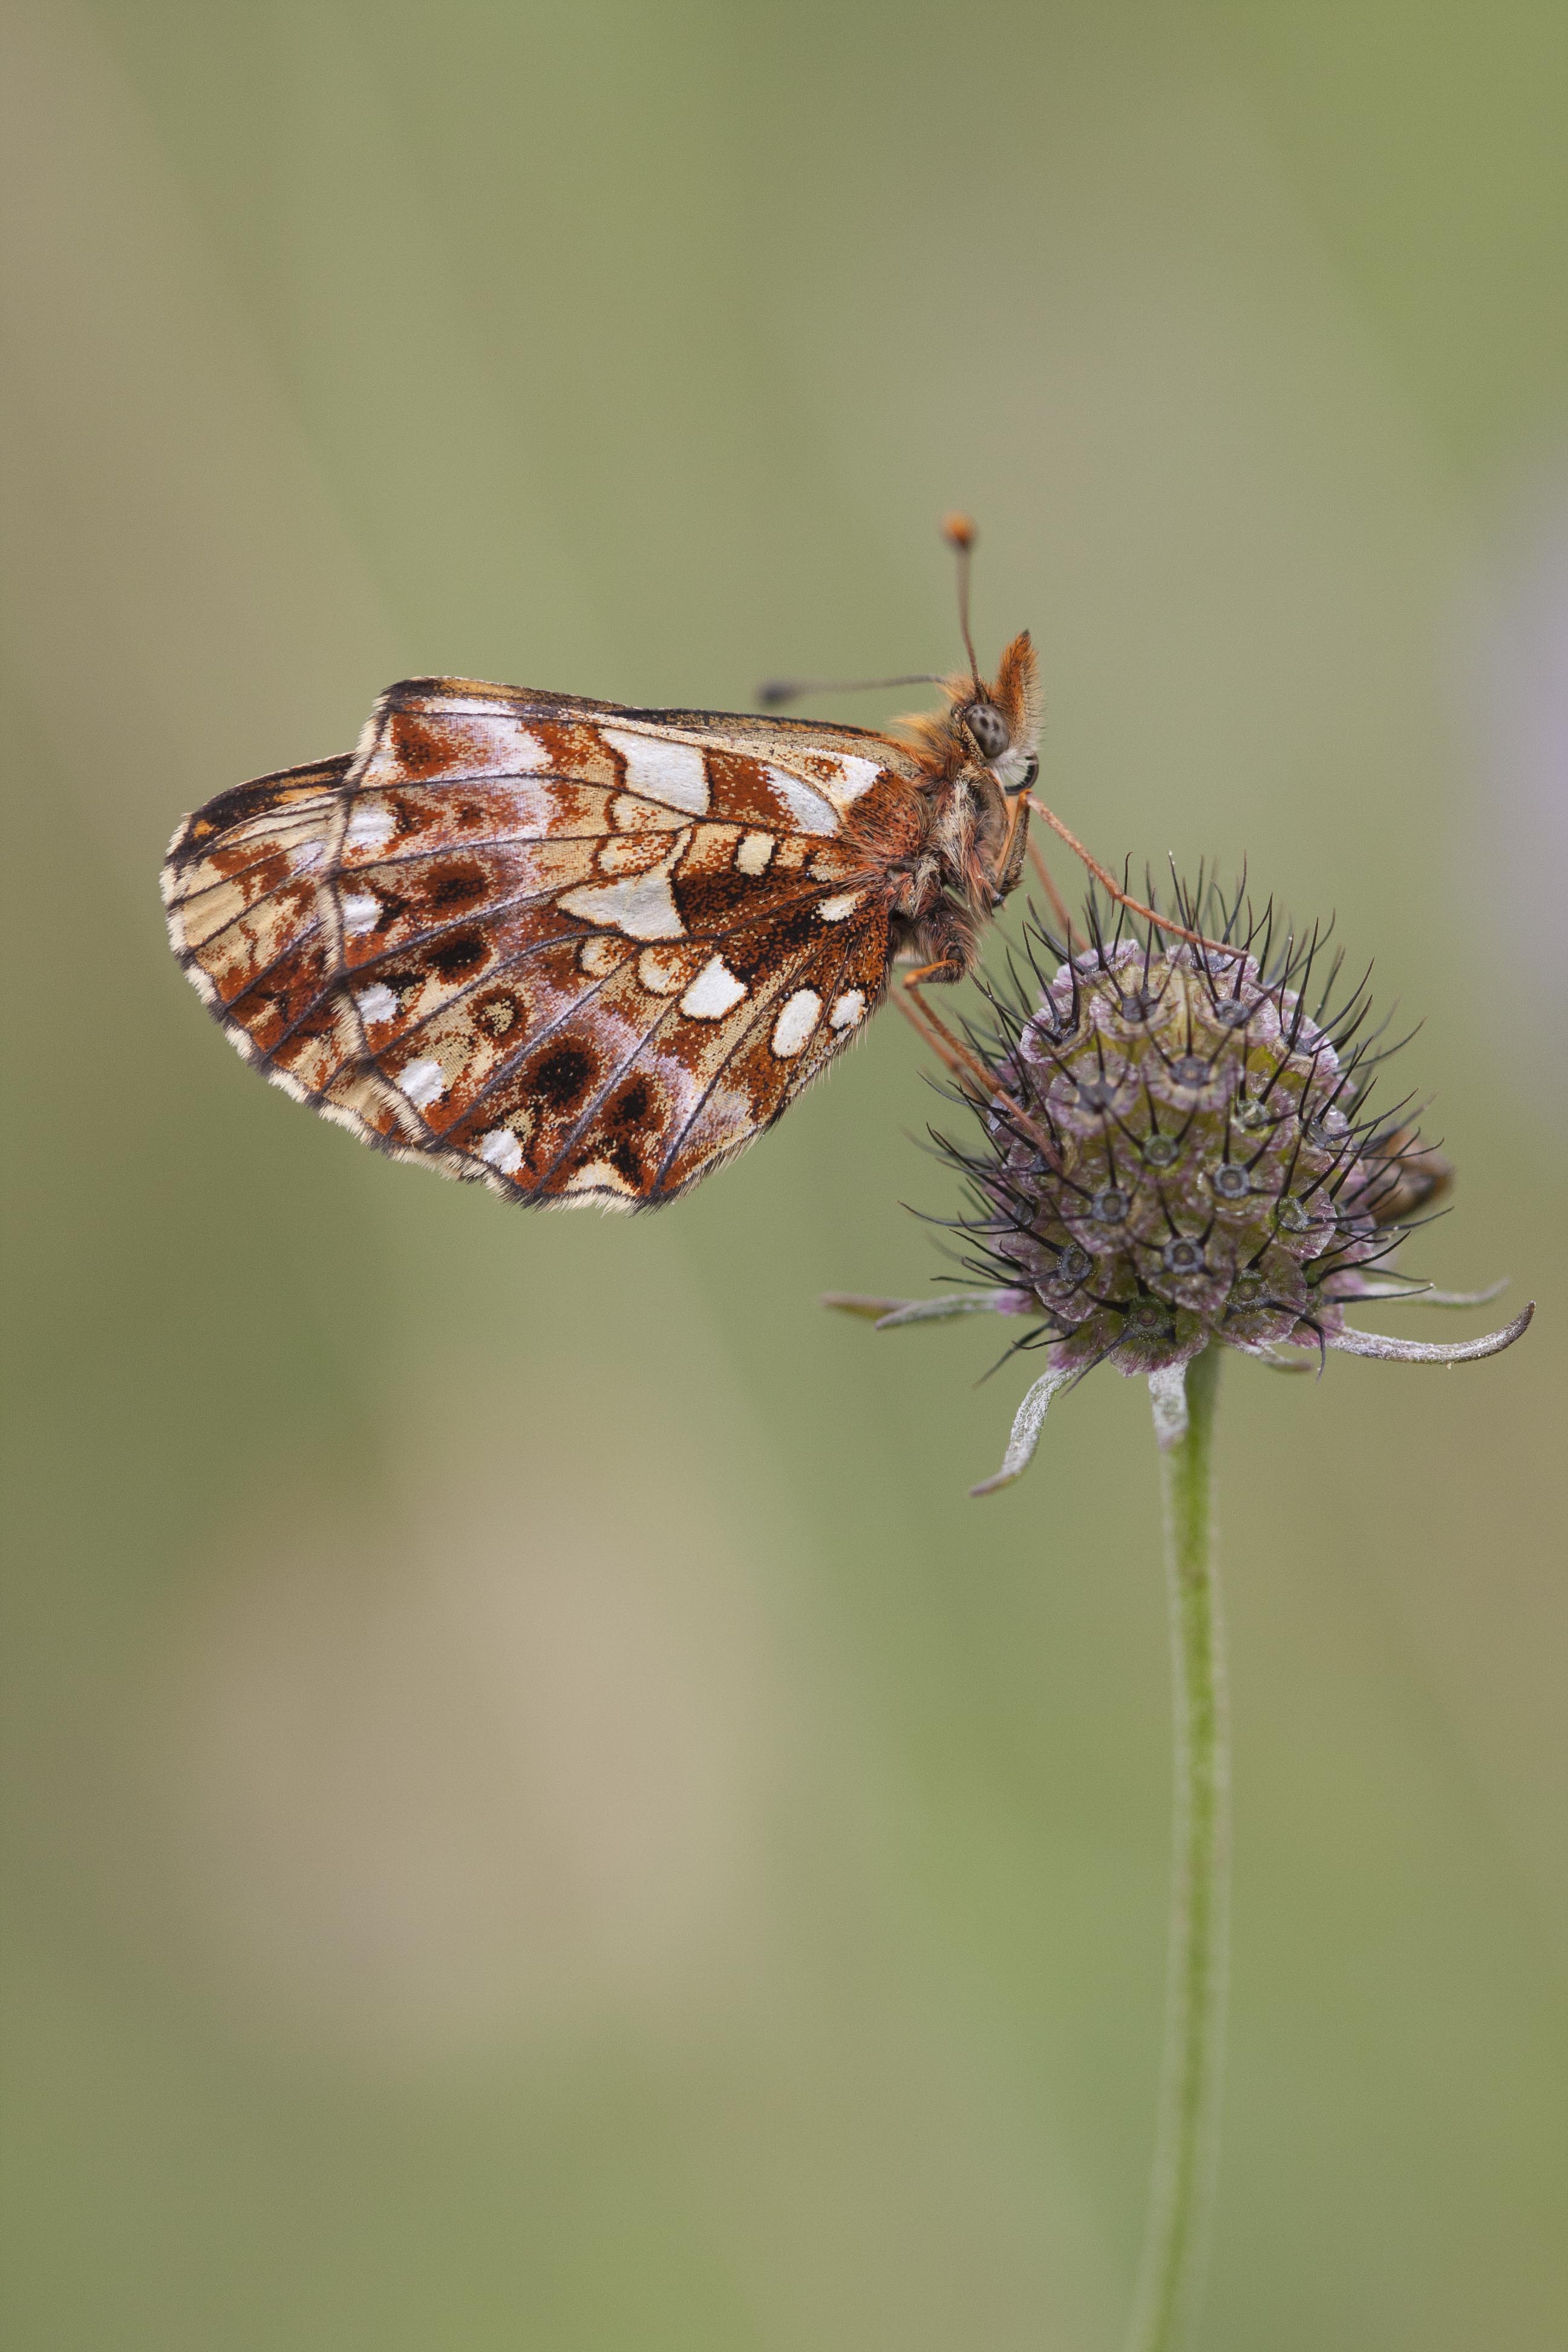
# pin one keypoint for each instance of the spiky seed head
(1180, 1150)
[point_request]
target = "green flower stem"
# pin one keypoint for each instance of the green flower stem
(1186, 2144)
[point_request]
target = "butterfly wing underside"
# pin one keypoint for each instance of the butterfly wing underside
(577, 952)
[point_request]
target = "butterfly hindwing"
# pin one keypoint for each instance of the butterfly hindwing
(577, 951)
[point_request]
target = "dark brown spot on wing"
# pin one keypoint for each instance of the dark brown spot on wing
(452, 887)
(633, 1106)
(622, 1158)
(456, 957)
(562, 1079)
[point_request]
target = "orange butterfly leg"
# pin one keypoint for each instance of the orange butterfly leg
(966, 1068)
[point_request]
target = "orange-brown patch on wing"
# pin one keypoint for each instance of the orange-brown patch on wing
(235, 957)
(739, 791)
(578, 750)
(428, 974)
(744, 1097)
(385, 822)
(431, 745)
(321, 1044)
(438, 738)
(419, 747)
(388, 907)
(276, 1003)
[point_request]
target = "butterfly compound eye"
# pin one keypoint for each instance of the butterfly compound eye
(988, 728)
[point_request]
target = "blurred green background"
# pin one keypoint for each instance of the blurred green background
(538, 1813)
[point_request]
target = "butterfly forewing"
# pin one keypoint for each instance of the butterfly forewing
(577, 952)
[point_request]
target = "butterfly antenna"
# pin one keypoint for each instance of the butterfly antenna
(960, 533)
(774, 692)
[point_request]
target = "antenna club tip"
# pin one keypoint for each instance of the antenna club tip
(959, 530)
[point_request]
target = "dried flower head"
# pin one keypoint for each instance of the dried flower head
(1180, 1149)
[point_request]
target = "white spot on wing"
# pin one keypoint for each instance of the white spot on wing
(847, 1009)
(795, 1023)
(644, 908)
(856, 776)
(361, 911)
(500, 1148)
(675, 773)
(424, 1082)
(371, 825)
(811, 813)
(376, 1002)
(752, 851)
(839, 909)
(527, 756)
(713, 992)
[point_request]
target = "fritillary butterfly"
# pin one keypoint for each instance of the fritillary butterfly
(584, 953)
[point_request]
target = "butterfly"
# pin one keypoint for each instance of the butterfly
(584, 953)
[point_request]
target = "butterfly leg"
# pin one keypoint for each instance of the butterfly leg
(950, 1050)
(978, 1083)
(933, 1031)
(1009, 866)
(952, 950)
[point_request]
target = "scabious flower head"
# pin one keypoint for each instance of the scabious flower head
(1180, 1150)
(1181, 1146)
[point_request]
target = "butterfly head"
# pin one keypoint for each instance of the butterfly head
(992, 727)
(995, 727)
